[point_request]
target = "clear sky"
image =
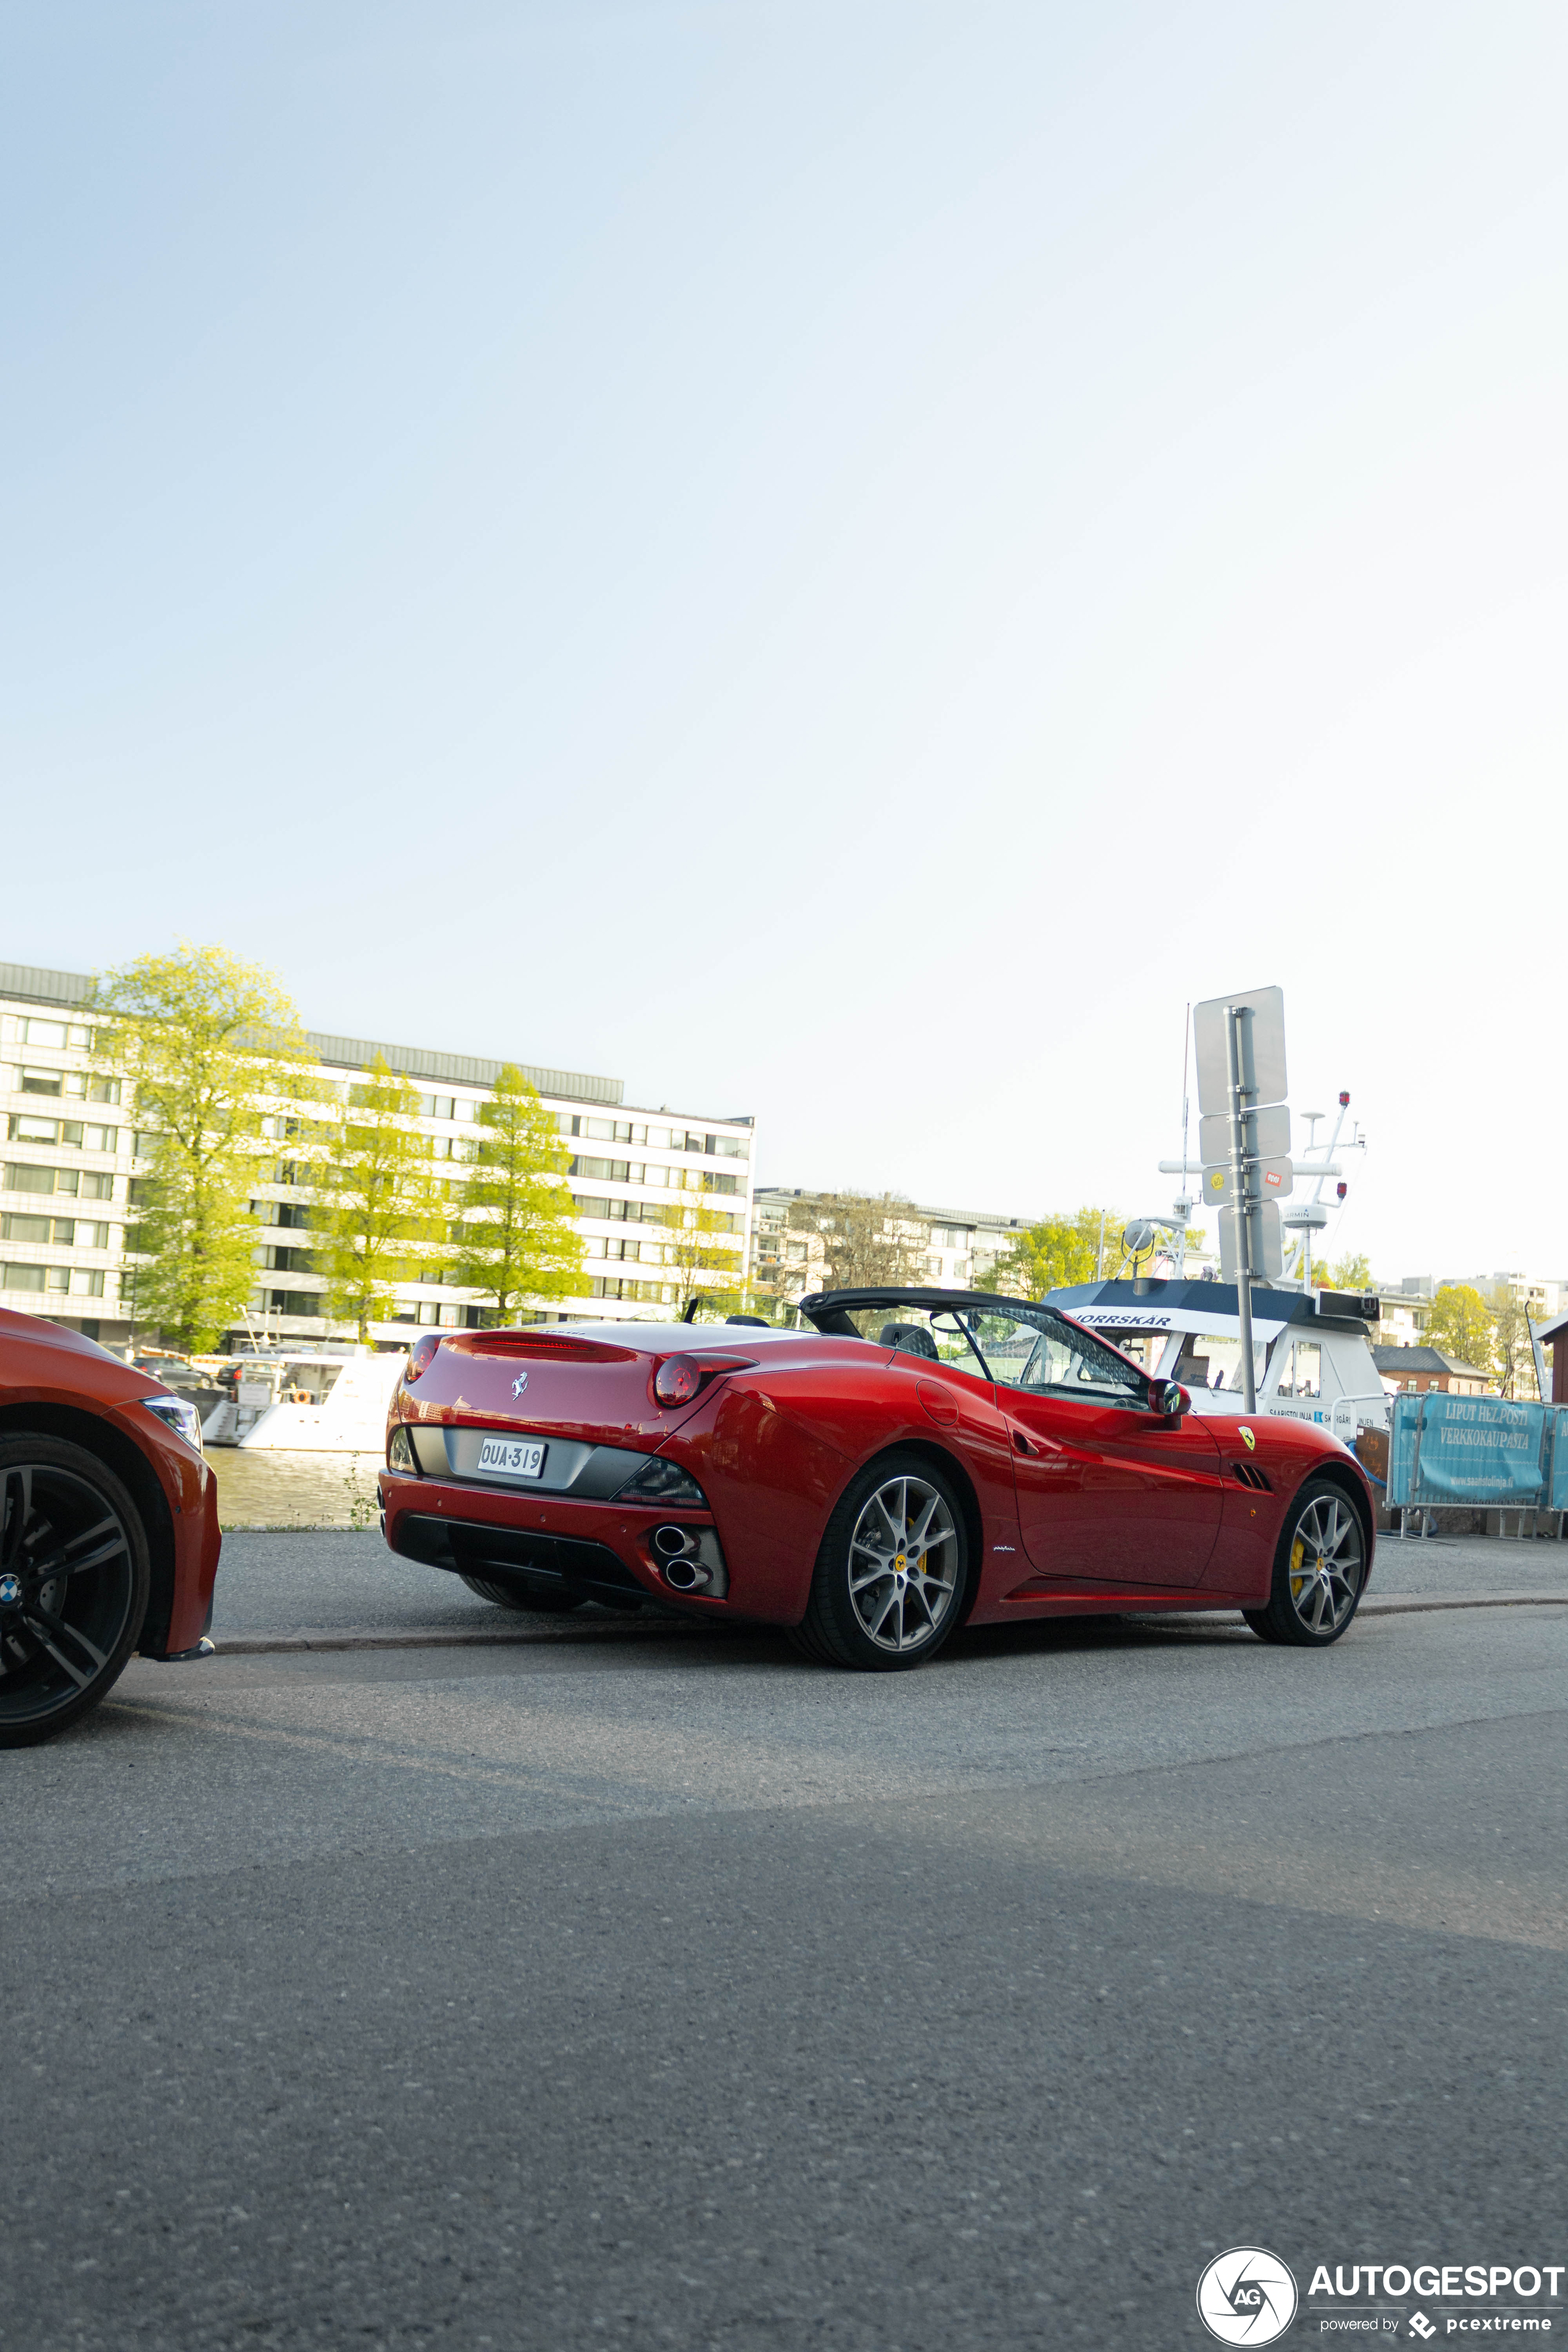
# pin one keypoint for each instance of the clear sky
(842, 561)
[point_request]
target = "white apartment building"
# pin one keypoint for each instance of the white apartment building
(72, 1155)
(958, 1245)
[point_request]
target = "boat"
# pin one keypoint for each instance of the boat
(1311, 1350)
(305, 1401)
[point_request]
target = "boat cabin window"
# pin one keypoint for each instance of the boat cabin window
(1210, 1360)
(1145, 1348)
(1301, 1374)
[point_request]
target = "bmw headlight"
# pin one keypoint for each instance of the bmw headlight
(181, 1416)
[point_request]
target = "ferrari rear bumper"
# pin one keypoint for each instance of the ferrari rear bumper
(601, 1549)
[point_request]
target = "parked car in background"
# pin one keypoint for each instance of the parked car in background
(108, 1533)
(909, 1462)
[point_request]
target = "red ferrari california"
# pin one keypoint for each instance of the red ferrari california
(109, 1535)
(909, 1462)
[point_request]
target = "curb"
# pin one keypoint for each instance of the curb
(458, 1637)
(437, 1637)
(1402, 1604)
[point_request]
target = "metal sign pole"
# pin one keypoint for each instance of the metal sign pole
(1236, 1039)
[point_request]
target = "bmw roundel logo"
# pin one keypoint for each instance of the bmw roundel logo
(519, 1385)
(10, 1590)
(1247, 2297)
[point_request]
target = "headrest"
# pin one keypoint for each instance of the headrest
(912, 1338)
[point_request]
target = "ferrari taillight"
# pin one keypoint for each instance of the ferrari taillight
(677, 1381)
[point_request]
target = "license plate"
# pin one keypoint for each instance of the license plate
(513, 1457)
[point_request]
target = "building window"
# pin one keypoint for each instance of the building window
(53, 1033)
(605, 1171)
(64, 1233)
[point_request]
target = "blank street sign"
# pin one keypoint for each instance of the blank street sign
(1271, 1179)
(1268, 1136)
(1268, 1256)
(1209, 1051)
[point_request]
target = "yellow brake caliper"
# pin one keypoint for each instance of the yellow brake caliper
(1297, 1576)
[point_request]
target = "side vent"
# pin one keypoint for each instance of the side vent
(1249, 1475)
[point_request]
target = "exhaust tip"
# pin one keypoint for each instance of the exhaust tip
(679, 1553)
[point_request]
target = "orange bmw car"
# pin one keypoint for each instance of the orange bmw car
(109, 1534)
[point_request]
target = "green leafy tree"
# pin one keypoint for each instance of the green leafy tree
(1462, 1324)
(380, 1218)
(516, 1236)
(1058, 1253)
(1351, 1272)
(703, 1259)
(204, 1046)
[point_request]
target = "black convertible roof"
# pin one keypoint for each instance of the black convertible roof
(829, 1310)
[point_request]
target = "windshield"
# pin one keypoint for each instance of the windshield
(1041, 1355)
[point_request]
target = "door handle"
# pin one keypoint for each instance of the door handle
(1021, 1442)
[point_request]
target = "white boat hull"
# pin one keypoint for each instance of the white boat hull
(352, 1420)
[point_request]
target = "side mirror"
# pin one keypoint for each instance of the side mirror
(1169, 1399)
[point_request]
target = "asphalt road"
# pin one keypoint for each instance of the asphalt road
(669, 1991)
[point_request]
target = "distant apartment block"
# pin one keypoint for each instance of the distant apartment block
(72, 1153)
(954, 1247)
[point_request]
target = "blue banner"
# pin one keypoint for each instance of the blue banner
(1454, 1449)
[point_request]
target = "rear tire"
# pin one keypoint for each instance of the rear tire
(544, 1599)
(75, 1573)
(1319, 1570)
(892, 1571)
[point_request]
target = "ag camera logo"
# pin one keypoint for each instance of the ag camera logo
(1247, 2297)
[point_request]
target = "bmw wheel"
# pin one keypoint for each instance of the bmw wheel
(74, 1581)
(1319, 1570)
(889, 1581)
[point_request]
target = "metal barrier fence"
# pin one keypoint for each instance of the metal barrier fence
(1445, 1451)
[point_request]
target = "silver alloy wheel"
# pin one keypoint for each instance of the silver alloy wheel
(1327, 1564)
(903, 1564)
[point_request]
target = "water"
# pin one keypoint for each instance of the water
(294, 1490)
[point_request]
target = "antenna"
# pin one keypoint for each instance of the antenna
(1183, 1207)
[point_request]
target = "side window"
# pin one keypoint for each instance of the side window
(1058, 1361)
(1302, 1373)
